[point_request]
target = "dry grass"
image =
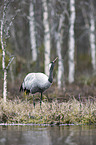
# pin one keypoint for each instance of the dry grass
(73, 111)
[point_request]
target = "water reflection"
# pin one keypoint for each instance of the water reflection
(57, 135)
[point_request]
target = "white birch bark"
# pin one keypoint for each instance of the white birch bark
(46, 36)
(32, 31)
(92, 37)
(92, 42)
(5, 85)
(71, 42)
(90, 25)
(60, 74)
(3, 63)
(3, 22)
(60, 65)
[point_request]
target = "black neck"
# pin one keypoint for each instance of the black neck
(50, 79)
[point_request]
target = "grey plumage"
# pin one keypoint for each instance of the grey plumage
(38, 82)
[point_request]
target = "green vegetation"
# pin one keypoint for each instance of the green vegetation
(87, 79)
(73, 111)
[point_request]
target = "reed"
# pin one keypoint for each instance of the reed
(71, 112)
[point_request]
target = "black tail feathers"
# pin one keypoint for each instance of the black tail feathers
(21, 88)
(24, 89)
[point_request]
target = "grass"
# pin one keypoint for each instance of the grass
(73, 111)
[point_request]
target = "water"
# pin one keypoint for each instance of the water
(40, 135)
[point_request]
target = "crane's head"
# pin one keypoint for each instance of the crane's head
(51, 65)
(55, 60)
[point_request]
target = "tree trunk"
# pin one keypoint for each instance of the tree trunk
(32, 31)
(60, 75)
(90, 25)
(92, 36)
(92, 42)
(60, 65)
(46, 36)
(5, 85)
(3, 64)
(71, 42)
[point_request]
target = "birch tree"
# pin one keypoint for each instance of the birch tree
(3, 54)
(60, 75)
(32, 31)
(3, 60)
(47, 38)
(3, 22)
(90, 26)
(71, 42)
(92, 35)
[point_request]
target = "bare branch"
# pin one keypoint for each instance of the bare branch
(10, 61)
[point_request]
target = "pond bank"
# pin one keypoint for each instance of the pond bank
(31, 124)
(71, 112)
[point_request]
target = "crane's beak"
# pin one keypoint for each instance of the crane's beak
(55, 60)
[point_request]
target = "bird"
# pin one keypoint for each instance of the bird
(38, 82)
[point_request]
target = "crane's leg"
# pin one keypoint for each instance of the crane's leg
(25, 95)
(33, 101)
(41, 100)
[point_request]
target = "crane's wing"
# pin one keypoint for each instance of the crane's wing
(42, 81)
(28, 81)
(29, 77)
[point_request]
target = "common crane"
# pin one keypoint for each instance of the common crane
(38, 82)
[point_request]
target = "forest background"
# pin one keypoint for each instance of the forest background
(34, 32)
